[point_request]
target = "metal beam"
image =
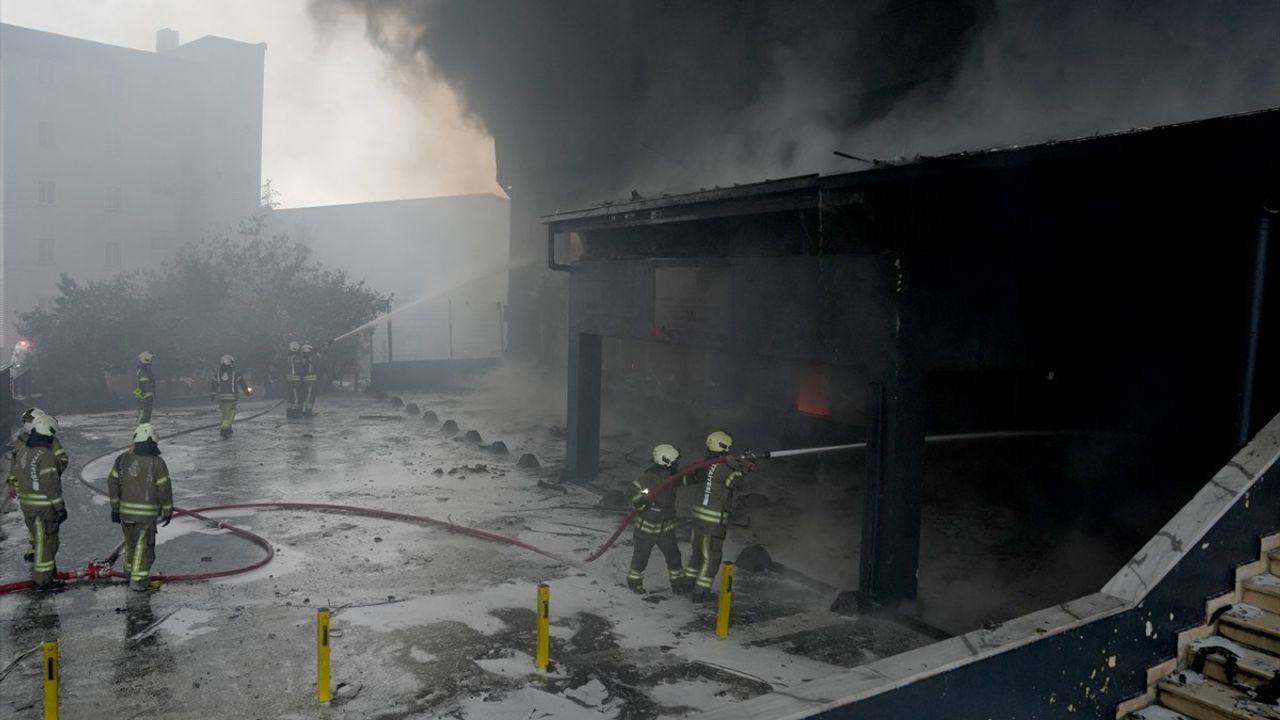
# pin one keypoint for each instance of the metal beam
(890, 555)
(582, 461)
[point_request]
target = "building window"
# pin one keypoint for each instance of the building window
(113, 199)
(45, 192)
(44, 252)
(113, 254)
(45, 133)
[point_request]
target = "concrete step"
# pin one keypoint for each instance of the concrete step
(1156, 712)
(1200, 698)
(1273, 561)
(1253, 627)
(1262, 591)
(1251, 667)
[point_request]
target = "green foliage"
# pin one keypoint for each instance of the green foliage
(246, 295)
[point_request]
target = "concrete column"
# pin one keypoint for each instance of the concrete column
(890, 556)
(582, 461)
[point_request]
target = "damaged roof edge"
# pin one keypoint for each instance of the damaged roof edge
(990, 158)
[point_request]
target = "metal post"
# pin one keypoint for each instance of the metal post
(1257, 287)
(890, 554)
(543, 653)
(582, 445)
(52, 673)
(389, 347)
(726, 599)
(502, 336)
(322, 655)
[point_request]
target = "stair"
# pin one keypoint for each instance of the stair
(1231, 670)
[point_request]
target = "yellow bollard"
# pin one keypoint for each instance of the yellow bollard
(51, 673)
(544, 628)
(726, 598)
(322, 654)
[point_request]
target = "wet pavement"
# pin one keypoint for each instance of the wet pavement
(427, 622)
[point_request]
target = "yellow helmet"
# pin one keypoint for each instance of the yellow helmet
(146, 357)
(719, 441)
(665, 455)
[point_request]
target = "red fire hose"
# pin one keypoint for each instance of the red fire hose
(103, 569)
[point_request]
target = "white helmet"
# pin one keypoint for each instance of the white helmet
(307, 348)
(28, 416)
(228, 360)
(295, 346)
(145, 357)
(719, 442)
(145, 432)
(45, 425)
(665, 455)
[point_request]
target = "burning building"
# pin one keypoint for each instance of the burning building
(1109, 287)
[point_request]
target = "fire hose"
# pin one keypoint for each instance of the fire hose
(96, 569)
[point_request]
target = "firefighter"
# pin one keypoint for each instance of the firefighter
(59, 452)
(225, 388)
(309, 379)
(36, 478)
(294, 378)
(59, 457)
(656, 520)
(146, 389)
(710, 507)
(140, 495)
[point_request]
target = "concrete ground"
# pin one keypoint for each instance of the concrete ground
(427, 623)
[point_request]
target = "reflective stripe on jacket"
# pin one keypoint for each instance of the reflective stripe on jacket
(139, 486)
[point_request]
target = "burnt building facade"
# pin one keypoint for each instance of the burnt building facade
(1109, 285)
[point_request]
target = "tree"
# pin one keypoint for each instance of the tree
(246, 295)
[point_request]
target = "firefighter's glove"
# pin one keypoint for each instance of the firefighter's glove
(62, 514)
(165, 520)
(137, 392)
(115, 516)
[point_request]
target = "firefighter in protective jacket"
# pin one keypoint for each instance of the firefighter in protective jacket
(60, 458)
(294, 378)
(141, 495)
(225, 388)
(712, 500)
(655, 520)
(145, 392)
(309, 378)
(38, 482)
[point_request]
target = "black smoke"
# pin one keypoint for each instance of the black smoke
(597, 97)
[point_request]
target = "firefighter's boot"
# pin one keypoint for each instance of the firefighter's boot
(636, 585)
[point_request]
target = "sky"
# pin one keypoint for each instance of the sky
(343, 122)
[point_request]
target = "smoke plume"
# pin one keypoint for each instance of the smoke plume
(608, 96)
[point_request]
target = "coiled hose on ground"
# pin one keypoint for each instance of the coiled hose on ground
(102, 569)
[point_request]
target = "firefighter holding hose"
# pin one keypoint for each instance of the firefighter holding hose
(655, 522)
(141, 495)
(712, 499)
(36, 478)
(225, 387)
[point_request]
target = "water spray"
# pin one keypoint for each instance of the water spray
(433, 294)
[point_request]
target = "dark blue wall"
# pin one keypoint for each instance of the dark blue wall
(1067, 676)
